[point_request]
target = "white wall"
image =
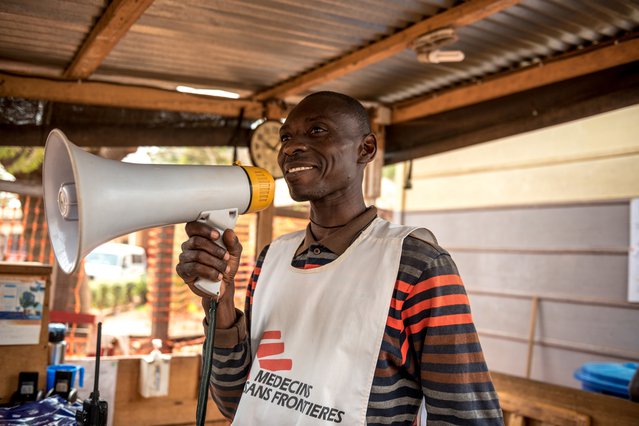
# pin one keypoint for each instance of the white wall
(593, 159)
(541, 214)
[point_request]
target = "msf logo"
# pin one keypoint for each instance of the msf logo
(271, 346)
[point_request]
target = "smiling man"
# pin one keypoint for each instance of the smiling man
(354, 321)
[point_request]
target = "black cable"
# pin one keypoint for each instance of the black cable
(207, 363)
(236, 134)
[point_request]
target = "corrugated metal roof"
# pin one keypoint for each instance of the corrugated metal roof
(529, 32)
(250, 45)
(45, 33)
(253, 44)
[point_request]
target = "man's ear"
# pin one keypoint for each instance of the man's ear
(367, 148)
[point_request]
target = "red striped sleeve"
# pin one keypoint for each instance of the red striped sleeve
(435, 302)
(438, 281)
(250, 288)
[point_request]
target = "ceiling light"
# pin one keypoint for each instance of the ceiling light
(428, 46)
(434, 39)
(257, 123)
(438, 56)
(207, 92)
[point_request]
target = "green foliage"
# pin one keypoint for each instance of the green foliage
(141, 291)
(101, 296)
(191, 155)
(118, 295)
(130, 292)
(19, 160)
(108, 294)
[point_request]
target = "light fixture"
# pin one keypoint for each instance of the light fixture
(437, 56)
(207, 92)
(428, 47)
(257, 123)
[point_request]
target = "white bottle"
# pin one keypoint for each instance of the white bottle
(154, 372)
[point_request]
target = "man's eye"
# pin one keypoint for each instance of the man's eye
(284, 138)
(316, 130)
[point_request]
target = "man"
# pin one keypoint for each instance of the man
(353, 321)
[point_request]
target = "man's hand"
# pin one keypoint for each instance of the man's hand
(201, 257)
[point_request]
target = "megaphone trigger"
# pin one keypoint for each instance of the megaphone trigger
(209, 287)
(220, 220)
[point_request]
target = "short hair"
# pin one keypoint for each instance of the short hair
(353, 106)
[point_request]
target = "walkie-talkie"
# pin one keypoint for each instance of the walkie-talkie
(94, 411)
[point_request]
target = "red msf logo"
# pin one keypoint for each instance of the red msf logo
(271, 345)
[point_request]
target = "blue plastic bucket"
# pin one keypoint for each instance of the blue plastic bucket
(64, 367)
(607, 378)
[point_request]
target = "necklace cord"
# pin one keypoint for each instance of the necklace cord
(326, 227)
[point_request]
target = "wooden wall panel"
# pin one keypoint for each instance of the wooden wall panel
(177, 408)
(594, 179)
(573, 257)
(579, 226)
(594, 137)
(602, 326)
(504, 356)
(591, 159)
(587, 275)
(512, 317)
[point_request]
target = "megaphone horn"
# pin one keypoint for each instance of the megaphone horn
(90, 200)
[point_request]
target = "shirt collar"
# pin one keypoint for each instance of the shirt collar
(339, 241)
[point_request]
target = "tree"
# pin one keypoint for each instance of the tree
(23, 162)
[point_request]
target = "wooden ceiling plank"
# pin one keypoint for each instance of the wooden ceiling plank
(114, 136)
(459, 16)
(556, 103)
(119, 16)
(619, 53)
(106, 94)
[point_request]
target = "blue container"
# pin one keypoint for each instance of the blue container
(64, 367)
(606, 377)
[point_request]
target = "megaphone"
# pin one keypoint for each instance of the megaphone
(90, 200)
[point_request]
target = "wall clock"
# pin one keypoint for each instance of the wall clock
(265, 145)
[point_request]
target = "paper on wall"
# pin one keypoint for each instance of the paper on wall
(21, 305)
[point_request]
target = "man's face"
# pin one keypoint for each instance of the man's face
(319, 154)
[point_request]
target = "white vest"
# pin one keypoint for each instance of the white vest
(316, 333)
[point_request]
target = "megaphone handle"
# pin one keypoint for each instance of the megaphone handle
(220, 220)
(210, 287)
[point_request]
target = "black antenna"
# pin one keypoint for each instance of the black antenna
(96, 378)
(94, 412)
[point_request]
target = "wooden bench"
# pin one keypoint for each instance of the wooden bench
(529, 402)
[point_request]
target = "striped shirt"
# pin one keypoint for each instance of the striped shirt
(430, 347)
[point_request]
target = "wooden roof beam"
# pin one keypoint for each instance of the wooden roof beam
(569, 66)
(459, 16)
(119, 16)
(114, 95)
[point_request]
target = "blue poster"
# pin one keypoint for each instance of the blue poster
(21, 307)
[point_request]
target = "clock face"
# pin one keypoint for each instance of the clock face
(265, 145)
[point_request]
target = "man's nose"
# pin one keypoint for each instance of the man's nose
(293, 146)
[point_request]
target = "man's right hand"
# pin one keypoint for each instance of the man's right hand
(201, 257)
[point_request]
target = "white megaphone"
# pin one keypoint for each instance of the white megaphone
(90, 200)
